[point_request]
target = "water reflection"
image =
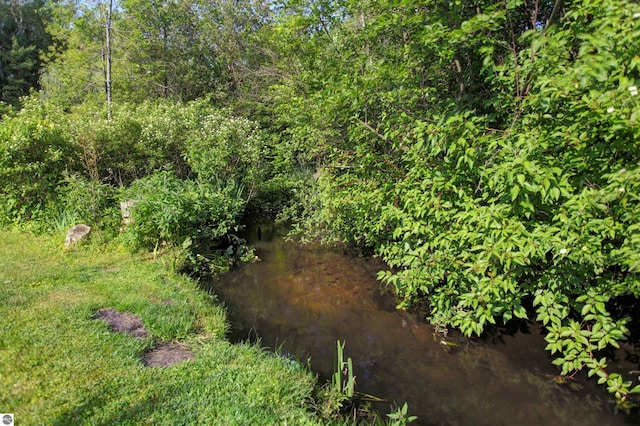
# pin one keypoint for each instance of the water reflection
(301, 301)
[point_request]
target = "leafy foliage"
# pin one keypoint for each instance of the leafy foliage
(23, 40)
(190, 169)
(172, 210)
(239, 151)
(486, 150)
(34, 153)
(89, 201)
(490, 157)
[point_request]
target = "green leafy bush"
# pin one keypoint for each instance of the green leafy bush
(507, 187)
(173, 211)
(226, 148)
(90, 202)
(56, 166)
(34, 153)
(138, 140)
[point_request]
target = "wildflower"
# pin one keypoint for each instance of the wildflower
(610, 109)
(636, 15)
(563, 251)
(621, 189)
(633, 90)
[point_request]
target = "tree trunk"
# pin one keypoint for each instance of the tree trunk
(108, 59)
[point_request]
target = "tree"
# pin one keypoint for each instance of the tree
(162, 40)
(23, 40)
(190, 48)
(139, 50)
(79, 61)
(107, 55)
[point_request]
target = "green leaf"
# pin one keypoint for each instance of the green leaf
(520, 312)
(515, 190)
(585, 310)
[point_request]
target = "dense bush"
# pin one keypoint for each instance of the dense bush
(34, 153)
(138, 140)
(224, 148)
(505, 184)
(200, 219)
(171, 210)
(75, 159)
(190, 169)
(88, 201)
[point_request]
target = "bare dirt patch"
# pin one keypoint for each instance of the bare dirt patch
(167, 354)
(123, 322)
(163, 355)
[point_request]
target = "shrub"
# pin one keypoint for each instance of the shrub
(137, 141)
(34, 154)
(177, 212)
(224, 148)
(521, 201)
(42, 147)
(89, 201)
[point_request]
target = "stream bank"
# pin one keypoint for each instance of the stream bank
(299, 300)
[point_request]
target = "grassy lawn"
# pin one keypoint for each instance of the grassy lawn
(60, 366)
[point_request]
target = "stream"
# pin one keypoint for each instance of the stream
(299, 300)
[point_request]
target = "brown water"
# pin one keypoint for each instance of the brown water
(299, 301)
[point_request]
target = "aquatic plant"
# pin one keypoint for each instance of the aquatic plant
(335, 397)
(400, 416)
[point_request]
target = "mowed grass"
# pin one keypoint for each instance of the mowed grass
(60, 366)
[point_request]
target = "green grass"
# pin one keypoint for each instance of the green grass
(60, 366)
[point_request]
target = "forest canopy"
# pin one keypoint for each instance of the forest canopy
(488, 151)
